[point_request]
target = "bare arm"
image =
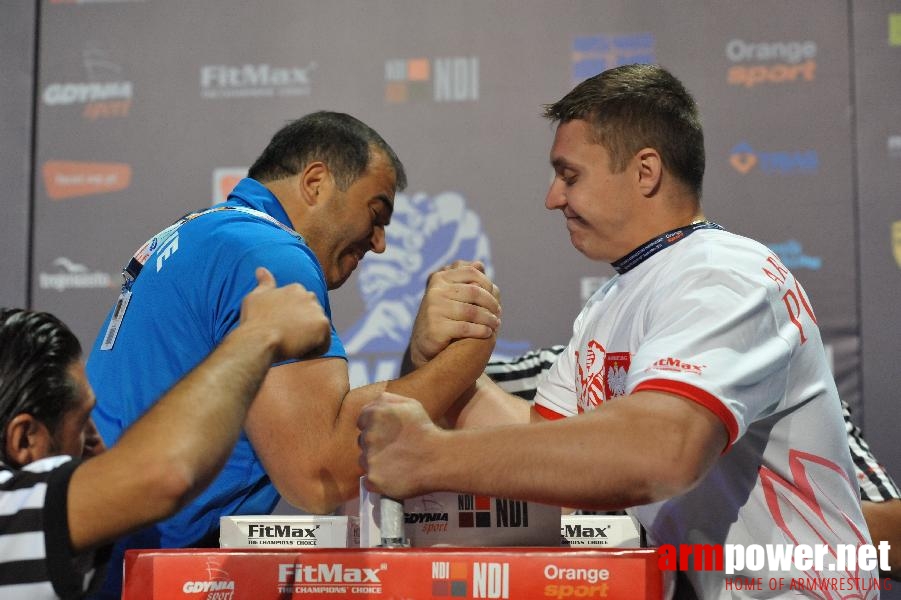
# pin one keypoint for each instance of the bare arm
(303, 423)
(618, 464)
(166, 457)
(884, 523)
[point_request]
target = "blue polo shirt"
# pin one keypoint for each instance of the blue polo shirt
(185, 301)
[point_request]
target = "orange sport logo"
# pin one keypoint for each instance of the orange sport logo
(761, 63)
(69, 179)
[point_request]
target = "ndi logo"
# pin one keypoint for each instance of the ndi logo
(453, 79)
(592, 54)
(744, 159)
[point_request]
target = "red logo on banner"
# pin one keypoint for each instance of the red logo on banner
(224, 181)
(68, 179)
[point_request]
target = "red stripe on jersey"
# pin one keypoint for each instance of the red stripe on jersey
(547, 413)
(690, 392)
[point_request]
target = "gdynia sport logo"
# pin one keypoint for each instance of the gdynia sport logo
(783, 566)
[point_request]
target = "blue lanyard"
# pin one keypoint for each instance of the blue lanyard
(131, 271)
(652, 247)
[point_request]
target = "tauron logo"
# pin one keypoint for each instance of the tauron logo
(757, 63)
(69, 179)
(256, 81)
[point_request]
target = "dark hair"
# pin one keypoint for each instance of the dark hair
(639, 106)
(36, 351)
(345, 144)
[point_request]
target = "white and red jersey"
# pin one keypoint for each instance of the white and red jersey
(718, 320)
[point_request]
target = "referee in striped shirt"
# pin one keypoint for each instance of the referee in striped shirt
(57, 510)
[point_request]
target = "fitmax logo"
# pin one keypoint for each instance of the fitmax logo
(282, 531)
(262, 80)
(327, 573)
(577, 531)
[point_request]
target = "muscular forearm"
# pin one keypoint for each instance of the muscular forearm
(440, 382)
(436, 385)
(616, 465)
(163, 459)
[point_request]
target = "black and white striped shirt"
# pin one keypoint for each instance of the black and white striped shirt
(520, 376)
(36, 560)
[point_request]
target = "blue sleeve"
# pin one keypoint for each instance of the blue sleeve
(289, 262)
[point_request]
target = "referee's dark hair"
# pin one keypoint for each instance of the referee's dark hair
(36, 351)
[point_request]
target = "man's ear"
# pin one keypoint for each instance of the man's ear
(650, 171)
(27, 440)
(315, 182)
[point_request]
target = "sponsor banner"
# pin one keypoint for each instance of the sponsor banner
(770, 63)
(453, 519)
(69, 179)
(894, 29)
(745, 159)
(592, 54)
(261, 80)
(613, 531)
(791, 254)
(289, 531)
(224, 181)
(73, 275)
(427, 232)
(791, 569)
(104, 93)
(393, 573)
(447, 79)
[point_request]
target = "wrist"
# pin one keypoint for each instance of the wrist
(256, 339)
